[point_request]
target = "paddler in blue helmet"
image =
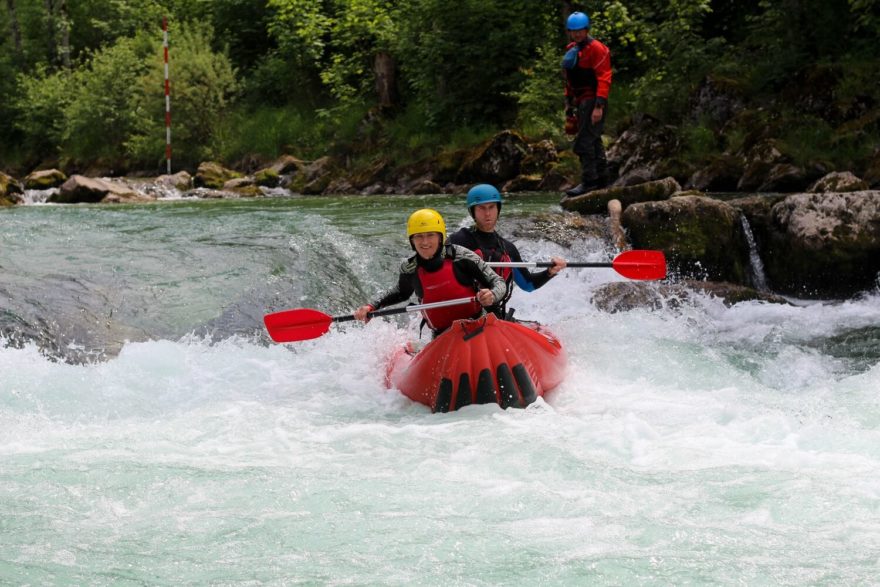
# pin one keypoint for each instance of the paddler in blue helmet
(438, 272)
(484, 206)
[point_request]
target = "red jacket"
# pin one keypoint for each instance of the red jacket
(592, 76)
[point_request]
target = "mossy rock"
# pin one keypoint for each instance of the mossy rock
(267, 177)
(702, 237)
(44, 179)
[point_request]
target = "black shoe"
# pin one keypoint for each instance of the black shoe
(577, 190)
(580, 189)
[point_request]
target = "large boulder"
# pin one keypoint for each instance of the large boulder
(640, 147)
(180, 181)
(721, 174)
(81, 189)
(702, 237)
(623, 296)
(824, 245)
(10, 190)
(495, 161)
(44, 179)
(213, 175)
(838, 181)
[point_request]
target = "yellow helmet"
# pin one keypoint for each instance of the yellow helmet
(426, 220)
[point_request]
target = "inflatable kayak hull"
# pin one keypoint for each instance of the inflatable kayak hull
(480, 361)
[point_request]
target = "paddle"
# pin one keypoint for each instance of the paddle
(305, 323)
(632, 264)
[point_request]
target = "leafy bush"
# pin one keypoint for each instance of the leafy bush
(203, 85)
(99, 118)
(39, 107)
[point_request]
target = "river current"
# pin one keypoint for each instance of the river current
(151, 434)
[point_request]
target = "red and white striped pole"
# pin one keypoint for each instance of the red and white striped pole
(167, 98)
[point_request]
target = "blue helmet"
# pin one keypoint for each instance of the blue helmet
(578, 21)
(483, 194)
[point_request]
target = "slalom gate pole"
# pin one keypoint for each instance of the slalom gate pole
(167, 98)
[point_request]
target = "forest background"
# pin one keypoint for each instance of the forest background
(82, 81)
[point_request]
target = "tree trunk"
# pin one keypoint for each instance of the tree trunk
(385, 69)
(15, 29)
(65, 33)
(50, 26)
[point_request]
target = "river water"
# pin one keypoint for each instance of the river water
(150, 434)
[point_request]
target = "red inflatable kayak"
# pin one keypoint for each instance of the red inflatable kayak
(480, 361)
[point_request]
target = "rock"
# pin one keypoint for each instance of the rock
(702, 237)
(378, 171)
(267, 177)
(824, 245)
(561, 228)
(540, 158)
(44, 179)
(81, 189)
(838, 181)
(553, 180)
(180, 181)
(784, 177)
(10, 190)
(716, 100)
(424, 187)
(872, 170)
(623, 296)
(213, 175)
(641, 145)
(288, 165)
(523, 183)
(636, 176)
(758, 162)
(243, 186)
(596, 202)
(722, 174)
(495, 161)
(339, 185)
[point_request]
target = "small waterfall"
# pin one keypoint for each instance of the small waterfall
(31, 197)
(759, 279)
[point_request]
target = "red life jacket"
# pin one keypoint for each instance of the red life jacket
(504, 272)
(439, 286)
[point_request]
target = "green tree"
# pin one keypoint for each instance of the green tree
(203, 88)
(99, 117)
(462, 61)
(338, 39)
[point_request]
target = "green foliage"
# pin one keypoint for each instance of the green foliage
(337, 38)
(98, 118)
(540, 100)
(698, 141)
(39, 107)
(203, 87)
(273, 76)
(463, 60)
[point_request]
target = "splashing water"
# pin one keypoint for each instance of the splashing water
(150, 434)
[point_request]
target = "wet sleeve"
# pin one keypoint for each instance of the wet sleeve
(525, 279)
(399, 293)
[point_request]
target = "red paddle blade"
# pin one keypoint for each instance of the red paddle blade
(641, 264)
(293, 325)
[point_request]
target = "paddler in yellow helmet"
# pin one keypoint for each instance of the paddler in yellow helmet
(440, 272)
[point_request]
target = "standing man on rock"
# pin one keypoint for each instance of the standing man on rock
(587, 68)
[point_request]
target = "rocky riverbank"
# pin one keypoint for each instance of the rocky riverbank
(820, 241)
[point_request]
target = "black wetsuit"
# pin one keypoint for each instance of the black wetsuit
(494, 248)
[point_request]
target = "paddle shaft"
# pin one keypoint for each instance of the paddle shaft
(543, 264)
(631, 264)
(411, 308)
